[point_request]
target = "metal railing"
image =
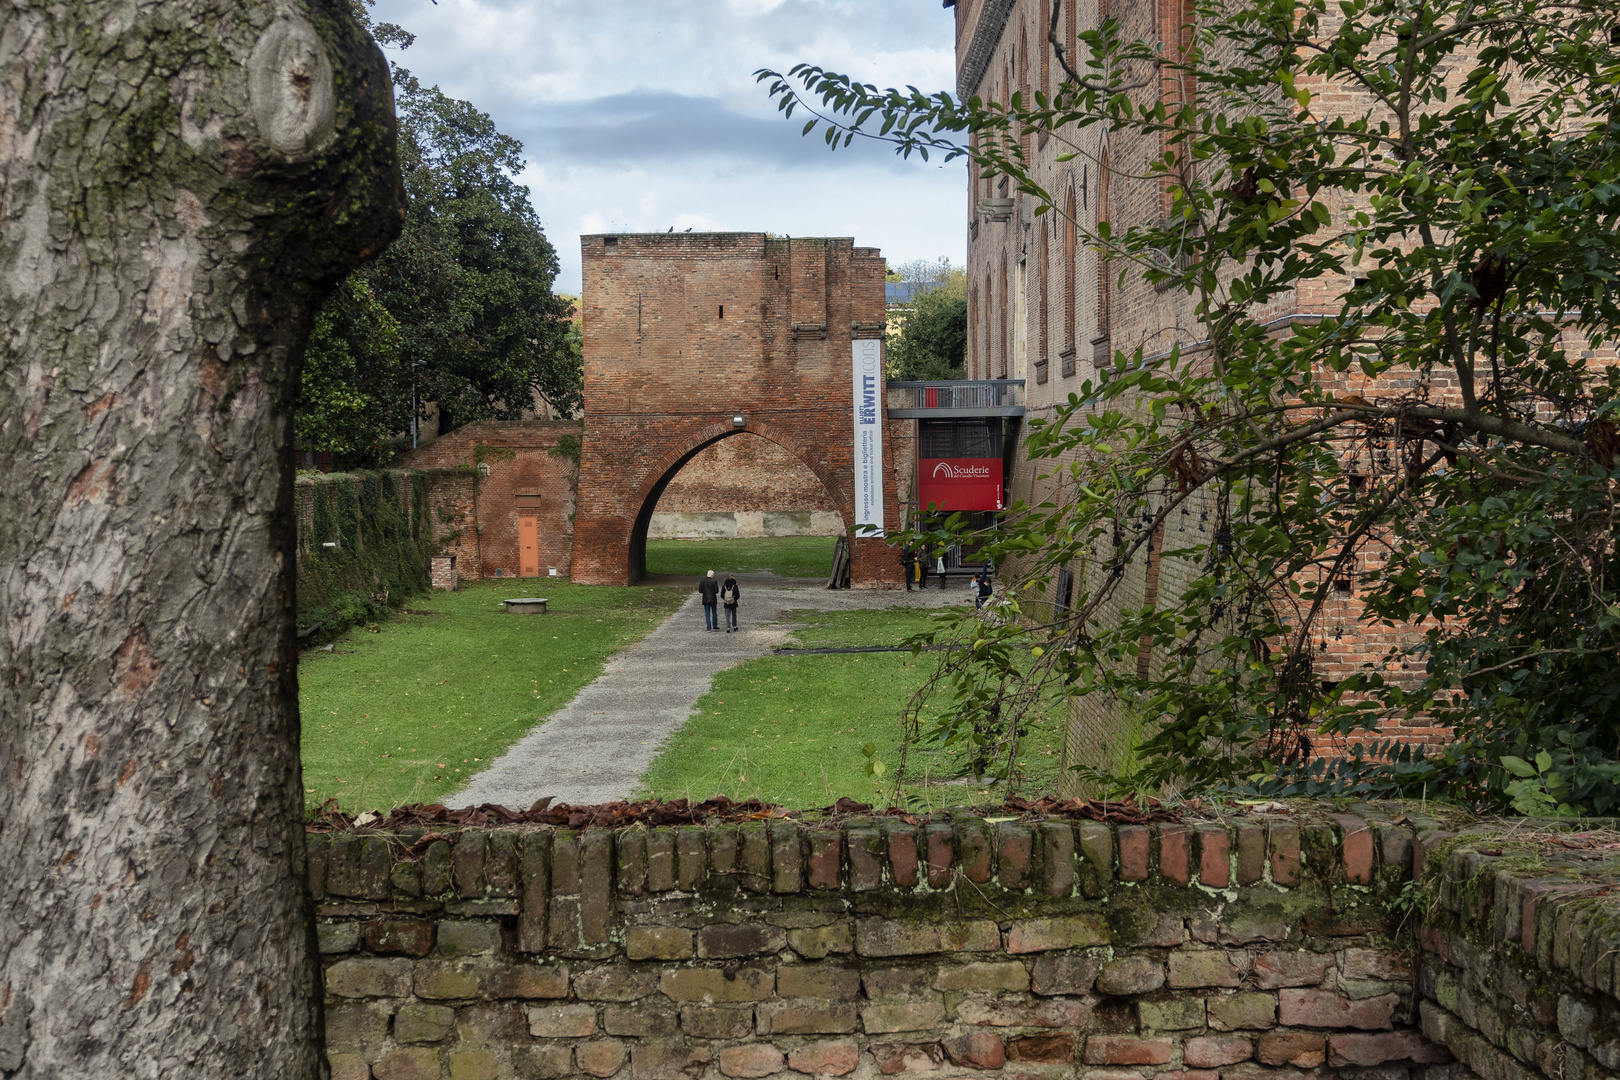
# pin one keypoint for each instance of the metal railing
(957, 397)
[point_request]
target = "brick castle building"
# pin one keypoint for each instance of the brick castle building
(1044, 308)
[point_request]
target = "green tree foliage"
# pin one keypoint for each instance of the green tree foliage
(355, 392)
(470, 278)
(933, 342)
(1442, 437)
(476, 328)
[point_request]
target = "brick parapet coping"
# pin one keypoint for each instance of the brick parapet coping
(1198, 950)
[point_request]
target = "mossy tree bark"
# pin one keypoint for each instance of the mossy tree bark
(181, 183)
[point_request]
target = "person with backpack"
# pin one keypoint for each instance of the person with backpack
(709, 589)
(728, 599)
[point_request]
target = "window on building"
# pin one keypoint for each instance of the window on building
(973, 329)
(1071, 35)
(1046, 59)
(1005, 310)
(1023, 83)
(1102, 343)
(988, 322)
(1176, 87)
(1043, 277)
(973, 438)
(1071, 268)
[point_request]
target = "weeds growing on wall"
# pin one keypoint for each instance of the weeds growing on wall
(364, 544)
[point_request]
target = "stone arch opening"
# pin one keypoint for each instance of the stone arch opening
(666, 376)
(671, 469)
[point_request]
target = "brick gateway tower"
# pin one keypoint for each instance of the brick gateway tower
(694, 337)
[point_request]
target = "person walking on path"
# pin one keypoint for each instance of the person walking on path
(982, 587)
(908, 562)
(709, 589)
(728, 599)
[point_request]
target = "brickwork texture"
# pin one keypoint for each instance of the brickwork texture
(745, 486)
(502, 469)
(1266, 945)
(1045, 308)
(684, 332)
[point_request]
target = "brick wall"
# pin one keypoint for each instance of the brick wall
(685, 331)
(1057, 355)
(444, 572)
(1521, 957)
(1236, 948)
(479, 512)
(744, 473)
(745, 486)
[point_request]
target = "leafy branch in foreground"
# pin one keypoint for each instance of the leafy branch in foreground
(1430, 455)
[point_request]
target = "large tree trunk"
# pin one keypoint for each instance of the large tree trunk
(180, 184)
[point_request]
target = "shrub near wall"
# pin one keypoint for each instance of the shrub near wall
(364, 543)
(1236, 949)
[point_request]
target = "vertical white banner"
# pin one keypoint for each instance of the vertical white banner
(868, 369)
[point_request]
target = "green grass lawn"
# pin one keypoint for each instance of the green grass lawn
(408, 713)
(790, 729)
(787, 556)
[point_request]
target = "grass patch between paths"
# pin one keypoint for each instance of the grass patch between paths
(785, 556)
(790, 729)
(410, 712)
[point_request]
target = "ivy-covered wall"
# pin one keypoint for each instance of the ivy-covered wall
(364, 541)
(1217, 947)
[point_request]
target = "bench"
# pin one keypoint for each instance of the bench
(526, 605)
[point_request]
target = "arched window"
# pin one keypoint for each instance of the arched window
(1102, 345)
(1071, 270)
(1071, 36)
(1176, 88)
(1023, 84)
(972, 364)
(1043, 279)
(988, 323)
(1005, 337)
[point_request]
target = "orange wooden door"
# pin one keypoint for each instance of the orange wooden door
(528, 545)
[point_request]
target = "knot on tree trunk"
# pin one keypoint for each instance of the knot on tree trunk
(290, 80)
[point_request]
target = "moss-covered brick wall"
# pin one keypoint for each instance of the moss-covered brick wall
(1234, 948)
(1520, 933)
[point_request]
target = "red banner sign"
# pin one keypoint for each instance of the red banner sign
(959, 483)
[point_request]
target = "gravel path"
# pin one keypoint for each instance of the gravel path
(595, 748)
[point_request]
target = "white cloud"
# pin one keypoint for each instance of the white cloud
(645, 114)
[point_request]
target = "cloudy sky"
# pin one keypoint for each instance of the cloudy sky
(639, 115)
